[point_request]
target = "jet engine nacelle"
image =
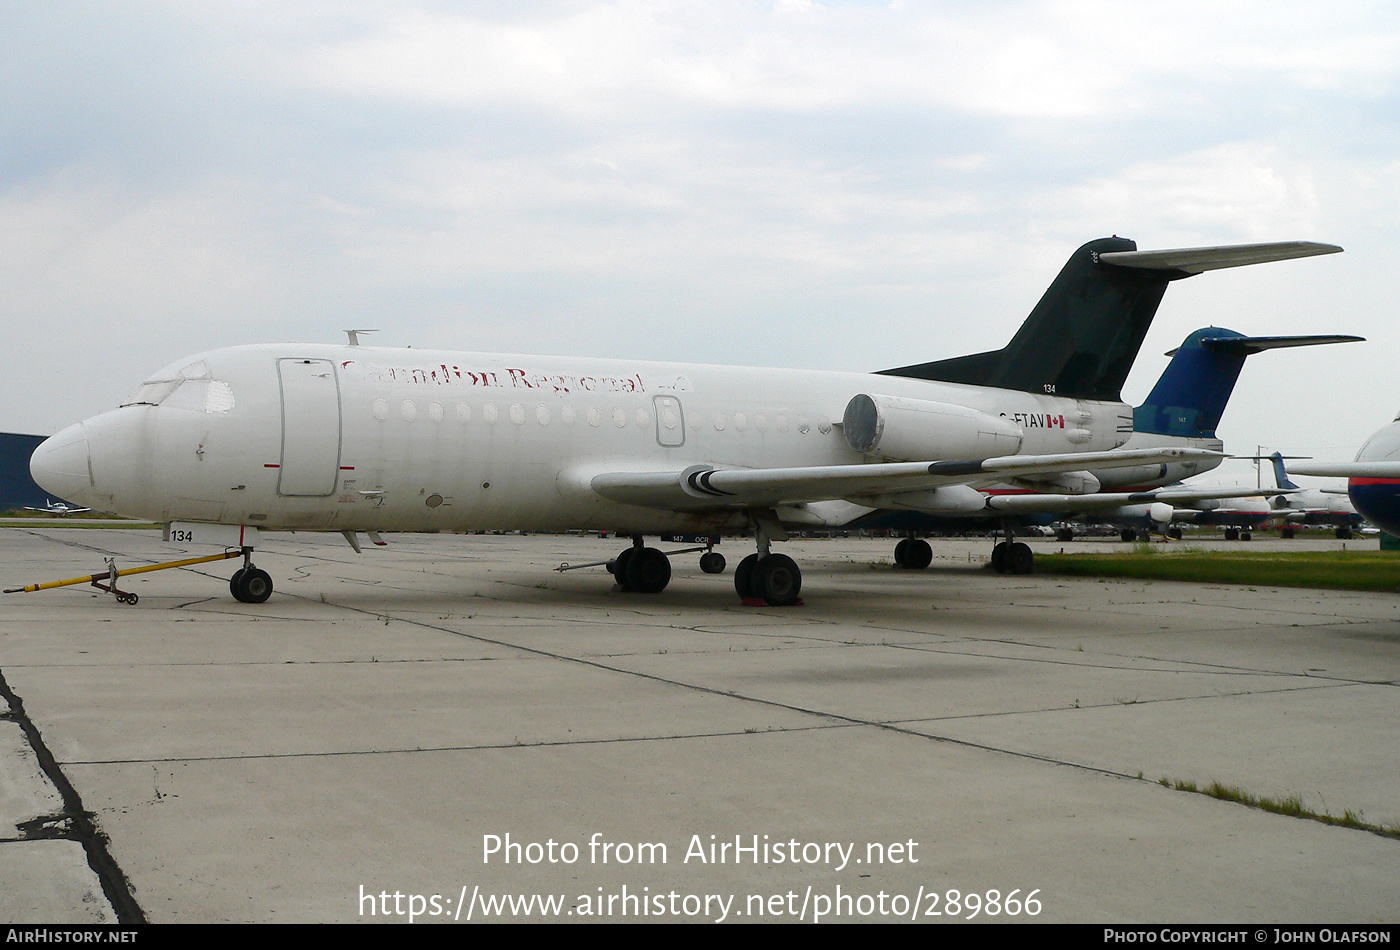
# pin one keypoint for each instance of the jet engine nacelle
(943, 500)
(1068, 483)
(899, 429)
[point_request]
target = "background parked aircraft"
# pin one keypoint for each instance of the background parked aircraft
(1183, 409)
(1373, 478)
(1311, 506)
(57, 508)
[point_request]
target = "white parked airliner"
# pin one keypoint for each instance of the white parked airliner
(358, 438)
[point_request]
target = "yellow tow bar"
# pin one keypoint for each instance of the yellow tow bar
(111, 575)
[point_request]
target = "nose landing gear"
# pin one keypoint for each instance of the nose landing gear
(248, 584)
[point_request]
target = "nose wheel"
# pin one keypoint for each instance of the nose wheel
(248, 584)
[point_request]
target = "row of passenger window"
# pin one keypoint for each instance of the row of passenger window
(593, 416)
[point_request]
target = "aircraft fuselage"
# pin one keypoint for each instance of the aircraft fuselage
(329, 437)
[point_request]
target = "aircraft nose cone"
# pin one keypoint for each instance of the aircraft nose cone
(60, 465)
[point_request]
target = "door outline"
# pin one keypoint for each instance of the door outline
(313, 468)
(669, 437)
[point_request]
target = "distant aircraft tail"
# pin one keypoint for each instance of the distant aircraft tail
(1191, 394)
(1281, 478)
(1082, 337)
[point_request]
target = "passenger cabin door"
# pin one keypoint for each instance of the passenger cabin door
(670, 421)
(310, 428)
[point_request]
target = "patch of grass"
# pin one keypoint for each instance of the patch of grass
(1290, 805)
(31, 519)
(28, 515)
(1334, 570)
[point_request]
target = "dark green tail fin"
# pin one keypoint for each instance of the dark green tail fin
(1082, 337)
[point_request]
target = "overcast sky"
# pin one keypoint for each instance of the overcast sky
(837, 185)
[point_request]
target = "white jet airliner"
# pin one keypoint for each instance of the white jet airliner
(1373, 478)
(357, 438)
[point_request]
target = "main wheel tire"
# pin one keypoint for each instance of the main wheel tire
(1021, 558)
(254, 586)
(1287, 532)
(648, 571)
(901, 553)
(1064, 534)
(619, 568)
(1232, 534)
(1128, 534)
(918, 555)
(712, 562)
(743, 577)
(999, 557)
(777, 579)
(1245, 535)
(1343, 534)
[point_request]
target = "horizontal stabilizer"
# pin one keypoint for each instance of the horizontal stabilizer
(1190, 397)
(1249, 345)
(1195, 260)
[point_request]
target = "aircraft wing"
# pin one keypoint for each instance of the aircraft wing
(705, 487)
(1177, 497)
(1349, 469)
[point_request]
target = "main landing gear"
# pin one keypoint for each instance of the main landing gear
(774, 579)
(1010, 556)
(645, 570)
(641, 569)
(765, 577)
(913, 554)
(248, 584)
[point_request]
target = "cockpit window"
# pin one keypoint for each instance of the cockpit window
(153, 392)
(198, 395)
(202, 395)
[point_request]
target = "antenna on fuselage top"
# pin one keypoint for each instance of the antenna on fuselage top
(355, 335)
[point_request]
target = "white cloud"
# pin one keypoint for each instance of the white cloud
(826, 184)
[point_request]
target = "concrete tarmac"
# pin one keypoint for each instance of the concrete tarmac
(359, 747)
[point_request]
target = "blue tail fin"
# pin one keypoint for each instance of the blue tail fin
(1281, 478)
(1191, 395)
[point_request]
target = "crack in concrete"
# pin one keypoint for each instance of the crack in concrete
(79, 824)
